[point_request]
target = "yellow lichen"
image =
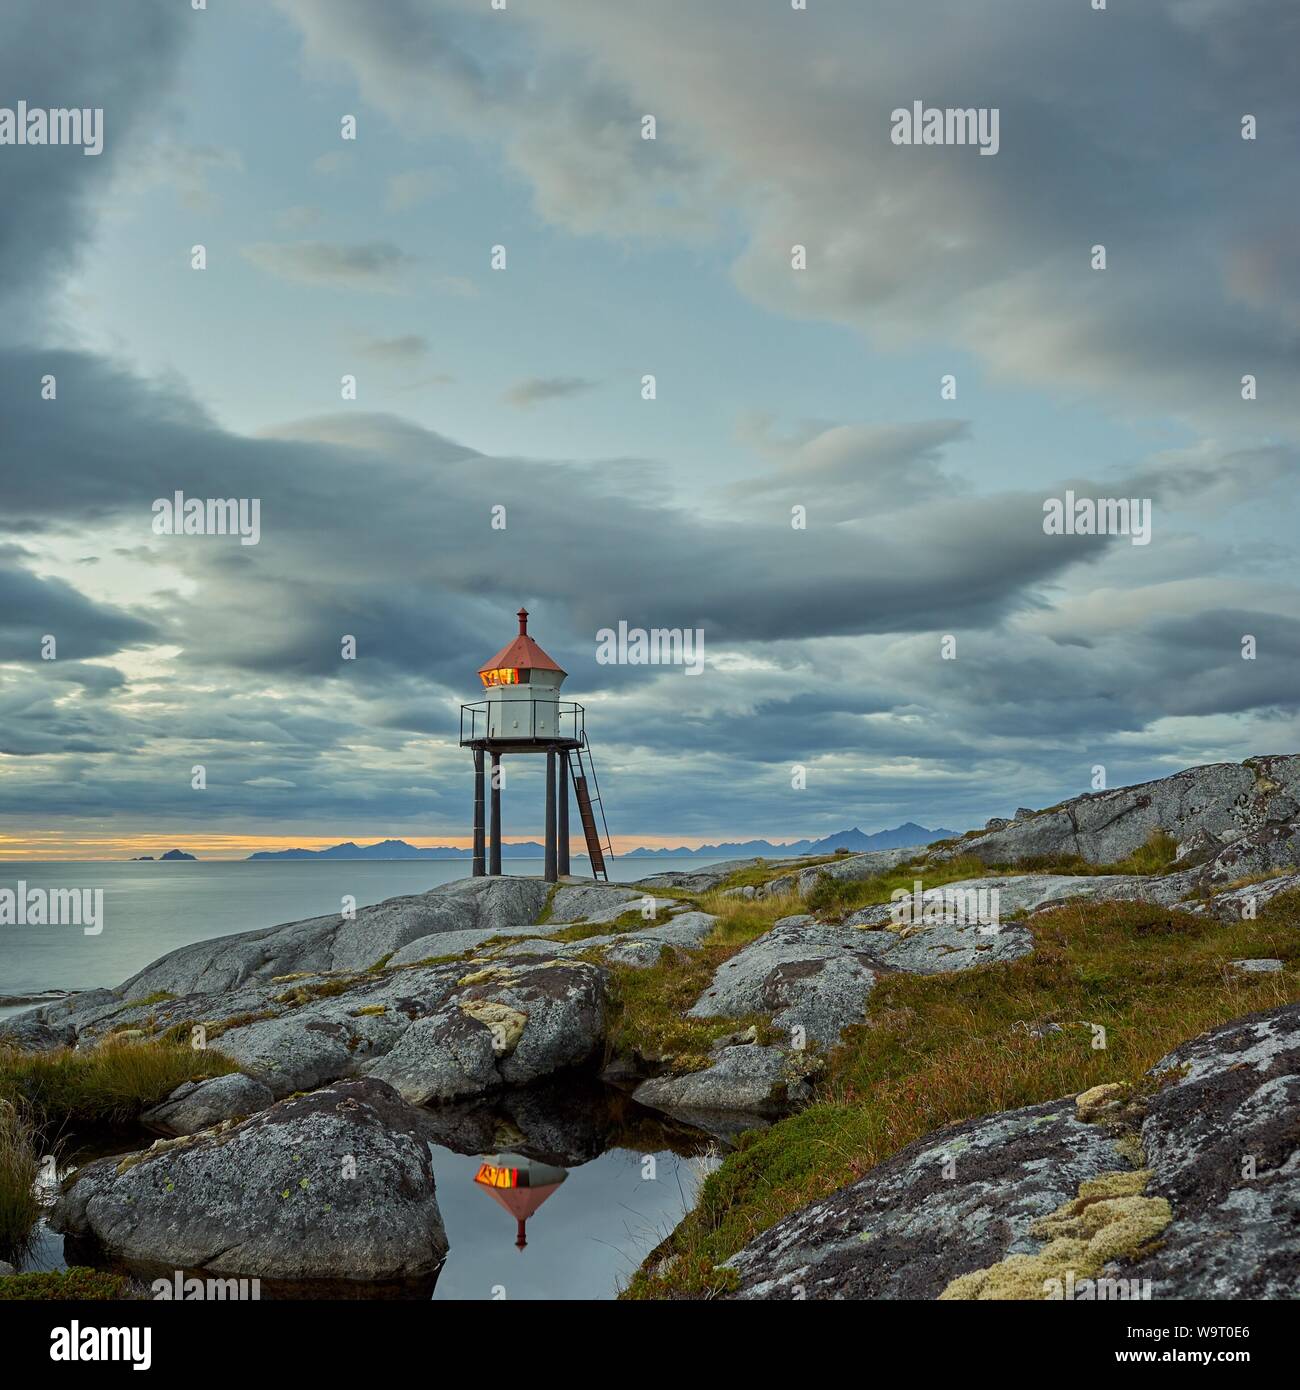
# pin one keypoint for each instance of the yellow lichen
(1089, 1104)
(481, 977)
(505, 1024)
(1108, 1220)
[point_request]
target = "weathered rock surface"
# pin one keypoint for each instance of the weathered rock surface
(336, 943)
(1237, 1107)
(199, 1105)
(637, 948)
(30, 1034)
(804, 975)
(506, 1025)
(906, 1230)
(744, 1078)
(333, 1186)
(848, 868)
(1229, 800)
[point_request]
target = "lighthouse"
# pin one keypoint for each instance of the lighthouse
(522, 712)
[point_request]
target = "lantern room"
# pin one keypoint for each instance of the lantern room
(523, 689)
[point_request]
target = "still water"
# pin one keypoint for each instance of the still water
(609, 1181)
(150, 909)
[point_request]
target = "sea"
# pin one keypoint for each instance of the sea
(151, 908)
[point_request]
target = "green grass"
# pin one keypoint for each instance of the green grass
(101, 1086)
(649, 1006)
(942, 1048)
(44, 1095)
(84, 1285)
(19, 1162)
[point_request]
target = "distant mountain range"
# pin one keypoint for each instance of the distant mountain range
(855, 840)
(398, 849)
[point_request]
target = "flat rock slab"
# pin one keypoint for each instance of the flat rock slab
(847, 868)
(906, 1230)
(336, 1186)
(1259, 967)
(803, 975)
(1020, 894)
(940, 949)
(639, 949)
(751, 1079)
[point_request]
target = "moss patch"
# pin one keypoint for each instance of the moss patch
(1108, 1220)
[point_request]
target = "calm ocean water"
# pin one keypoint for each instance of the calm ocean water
(150, 909)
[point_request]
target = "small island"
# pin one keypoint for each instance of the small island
(172, 854)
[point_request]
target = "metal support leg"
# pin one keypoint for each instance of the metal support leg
(550, 873)
(478, 813)
(494, 841)
(562, 830)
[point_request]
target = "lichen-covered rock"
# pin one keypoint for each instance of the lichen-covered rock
(1263, 966)
(978, 1209)
(28, 1033)
(1020, 894)
(1223, 1141)
(197, 1105)
(1262, 851)
(338, 943)
(1227, 799)
(744, 1078)
(805, 976)
(507, 1024)
(955, 1202)
(638, 948)
(848, 868)
(335, 1186)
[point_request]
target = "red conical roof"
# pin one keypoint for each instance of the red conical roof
(523, 654)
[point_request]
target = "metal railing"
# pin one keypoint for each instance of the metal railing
(570, 721)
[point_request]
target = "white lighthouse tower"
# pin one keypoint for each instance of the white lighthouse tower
(523, 713)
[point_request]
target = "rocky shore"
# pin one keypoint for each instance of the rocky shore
(349, 1033)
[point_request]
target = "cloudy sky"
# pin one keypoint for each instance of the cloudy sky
(776, 388)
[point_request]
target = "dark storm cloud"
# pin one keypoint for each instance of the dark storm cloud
(82, 54)
(31, 608)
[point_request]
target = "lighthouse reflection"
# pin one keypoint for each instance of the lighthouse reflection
(519, 1185)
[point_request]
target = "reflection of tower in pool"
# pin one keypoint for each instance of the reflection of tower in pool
(520, 1185)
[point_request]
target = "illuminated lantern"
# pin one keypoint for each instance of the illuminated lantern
(520, 1185)
(523, 690)
(522, 713)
